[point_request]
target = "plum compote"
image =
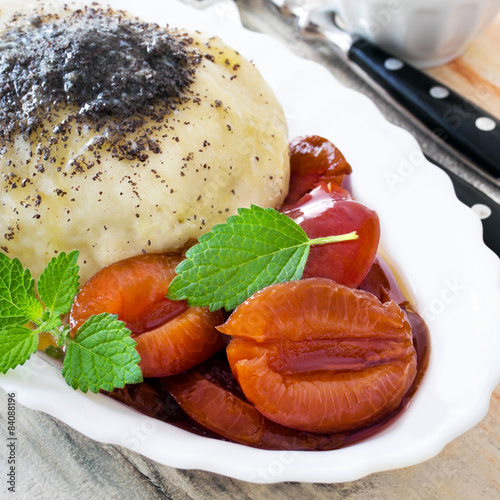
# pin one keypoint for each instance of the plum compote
(314, 159)
(313, 364)
(317, 356)
(328, 210)
(171, 337)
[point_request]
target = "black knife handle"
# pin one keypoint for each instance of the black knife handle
(473, 197)
(460, 123)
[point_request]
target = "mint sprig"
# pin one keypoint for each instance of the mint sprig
(251, 250)
(101, 355)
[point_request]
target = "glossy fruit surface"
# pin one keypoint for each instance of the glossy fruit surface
(330, 210)
(171, 337)
(320, 357)
(210, 397)
(216, 408)
(381, 282)
(314, 159)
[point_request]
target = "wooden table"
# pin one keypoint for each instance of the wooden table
(55, 462)
(477, 73)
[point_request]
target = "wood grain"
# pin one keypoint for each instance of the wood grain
(476, 74)
(55, 462)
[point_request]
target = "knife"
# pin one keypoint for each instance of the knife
(484, 206)
(462, 125)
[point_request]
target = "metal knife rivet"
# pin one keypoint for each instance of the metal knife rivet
(485, 123)
(393, 64)
(483, 211)
(439, 92)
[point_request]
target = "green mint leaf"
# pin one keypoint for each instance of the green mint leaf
(251, 250)
(18, 302)
(101, 356)
(58, 284)
(256, 248)
(17, 344)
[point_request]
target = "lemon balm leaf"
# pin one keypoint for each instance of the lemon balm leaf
(251, 250)
(58, 283)
(18, 303)
(17, 344)
(101, 356)
(239, 257)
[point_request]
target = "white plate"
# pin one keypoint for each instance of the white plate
(433, 238)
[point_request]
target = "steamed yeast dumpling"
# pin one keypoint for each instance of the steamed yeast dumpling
(119, 137)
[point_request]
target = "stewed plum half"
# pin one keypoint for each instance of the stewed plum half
(171, 336)
(317, 356)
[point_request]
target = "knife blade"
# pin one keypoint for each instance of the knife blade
(465, 127)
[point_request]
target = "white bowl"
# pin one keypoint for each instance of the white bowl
(423, 32)
(434, 240)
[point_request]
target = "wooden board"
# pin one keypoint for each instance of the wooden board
(476, 74)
